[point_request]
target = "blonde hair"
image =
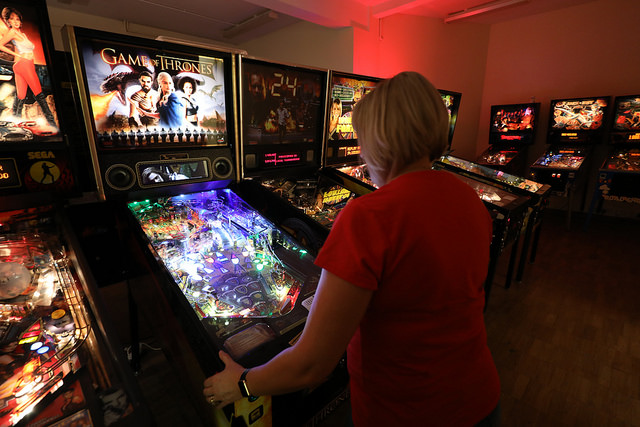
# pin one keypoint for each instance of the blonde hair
(402, 120)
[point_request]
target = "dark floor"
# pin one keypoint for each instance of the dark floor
(565, 339)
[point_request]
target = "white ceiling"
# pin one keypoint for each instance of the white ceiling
(210, 18)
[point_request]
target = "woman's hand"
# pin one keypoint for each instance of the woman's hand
(222, 388)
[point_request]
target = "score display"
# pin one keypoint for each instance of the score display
(282, 114)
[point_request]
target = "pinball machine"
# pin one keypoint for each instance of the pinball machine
(60, 360)
(297, 193)
(218, 273)
(342, 162)
(619, 175)
(508, 212)
(538, 197)
(575, 126)
(512, 131)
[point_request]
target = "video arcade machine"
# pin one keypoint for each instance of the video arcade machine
(537, 193)
(512, 131)
(575, 125)
(220, 274)
(59, 359)
(619, 175)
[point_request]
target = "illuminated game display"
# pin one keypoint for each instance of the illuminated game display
(493, 174)
(574, 125)
(577, 120)
(36, 157)
(512, 129)
(282, 114)
(319, 198)
(345, 91)
(23, 70)
(143, 95)
(452, 103)
(230, 263)
(626, 121)
(42, 322)
(619, 175)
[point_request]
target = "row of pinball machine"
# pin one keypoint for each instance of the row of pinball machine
(207, 181)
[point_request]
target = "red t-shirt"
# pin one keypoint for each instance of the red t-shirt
(420, 355)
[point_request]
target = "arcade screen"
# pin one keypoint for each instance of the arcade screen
(452, 102)
(577, 119)
(145, 93)
(344, 93)
(513, 124)
(626, 122)
(27, 106)
(282, 114)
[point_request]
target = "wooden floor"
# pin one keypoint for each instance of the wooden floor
(566, 340)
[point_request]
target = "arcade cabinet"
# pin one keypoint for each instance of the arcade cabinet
(619, 175)
(512, 131)
(538, 197)
(60, 360)
(575, 126)
(217, 274)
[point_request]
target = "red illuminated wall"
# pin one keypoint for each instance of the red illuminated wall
(453, 57)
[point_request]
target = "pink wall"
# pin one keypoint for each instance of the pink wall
(591, 49)
(453, 57)
(587, 50)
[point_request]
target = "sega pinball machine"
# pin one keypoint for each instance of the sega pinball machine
(619, 175)
(219, 274)
(538, 197)
(575, 126)
(59, 359)
(512, 131)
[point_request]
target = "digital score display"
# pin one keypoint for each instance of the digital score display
(9, 177)
(282, 114)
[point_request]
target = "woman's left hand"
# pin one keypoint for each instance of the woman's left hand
(222, 388)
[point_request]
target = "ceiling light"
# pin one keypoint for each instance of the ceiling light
(483, 8)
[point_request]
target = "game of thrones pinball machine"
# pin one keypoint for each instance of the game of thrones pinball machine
(619, 175)
(223, 276)
(59, 359)
(512, 131)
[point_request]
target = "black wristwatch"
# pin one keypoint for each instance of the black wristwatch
(244, 387)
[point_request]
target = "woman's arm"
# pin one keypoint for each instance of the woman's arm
(337, 309)
(6, 38)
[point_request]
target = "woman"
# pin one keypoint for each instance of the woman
(187, 86)
(24, 69)
(402, 283)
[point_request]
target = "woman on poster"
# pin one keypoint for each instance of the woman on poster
(24, 67)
